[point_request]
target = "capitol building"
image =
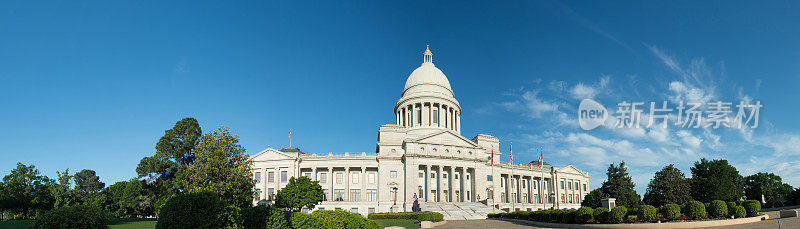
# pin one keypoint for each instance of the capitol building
(422, 162)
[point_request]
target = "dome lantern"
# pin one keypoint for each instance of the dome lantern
(427, 57)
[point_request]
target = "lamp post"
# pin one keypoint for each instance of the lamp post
(394, 191)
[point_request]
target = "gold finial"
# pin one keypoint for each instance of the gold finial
(427, 48)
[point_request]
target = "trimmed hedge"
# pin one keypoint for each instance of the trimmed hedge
(738, 211)
(327, 219)
(751, 207)
(194, 210)
(583, 214)
(81, 216)
(730, 207)
(618, 214)
(646, 213)
(421, 216)
(670, 211)
(695, 210)
(718, 209)
(601, 215)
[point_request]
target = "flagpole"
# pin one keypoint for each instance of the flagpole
(511, 156)
(541, 179)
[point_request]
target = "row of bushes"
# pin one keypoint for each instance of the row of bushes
(420, 216)
(206, 210)
(645, 213)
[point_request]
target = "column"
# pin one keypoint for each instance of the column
(439, 184)
(364, 182)
(347, 183)
(458, 122)
(330, 183)
(427, 185)
(451, 187)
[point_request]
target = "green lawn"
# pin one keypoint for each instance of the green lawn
(407, 223)
(115, 224)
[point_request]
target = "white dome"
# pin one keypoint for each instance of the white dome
(429, 74)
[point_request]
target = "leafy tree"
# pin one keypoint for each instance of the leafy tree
(62, 190)
(131, 198)
(175, 152)
(87, 185)
(793, 198)
(299, 193)
(668, 186)
(715, 180)
(25, 191)
(222, 166)
(593, 198)
(767, 184)
(620, 186)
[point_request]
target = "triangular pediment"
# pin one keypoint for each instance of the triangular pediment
(271, 154)
(445, 138)
(570, 169)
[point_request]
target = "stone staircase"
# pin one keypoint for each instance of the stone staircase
(460, 210)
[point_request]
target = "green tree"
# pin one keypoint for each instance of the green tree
(767, 184)
(793, 198)
(175, 152)
(24, 191)
(131, 198)
(299, 193)
(715, 180)
(222, 166)
(87, 185)
(593, 198)
(62, 190)
(668, 186)
(620, 186)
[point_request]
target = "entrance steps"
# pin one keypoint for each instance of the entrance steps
(459, 210)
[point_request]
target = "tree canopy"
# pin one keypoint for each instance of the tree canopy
(715, 180)
(620, 186)
(175, 152)
(299, 193)
(24, 191)
(87, 184)
(668, 186)
(222, 166)
(767, 184)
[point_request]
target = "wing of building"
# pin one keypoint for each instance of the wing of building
(422, 162)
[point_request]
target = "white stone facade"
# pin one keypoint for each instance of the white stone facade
(422, 158)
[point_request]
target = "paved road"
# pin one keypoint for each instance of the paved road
(774, 222)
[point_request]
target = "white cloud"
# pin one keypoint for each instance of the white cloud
(582, 91)
(689, 139)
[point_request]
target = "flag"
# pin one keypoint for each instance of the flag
(290, 134)
(511, 152)
(492, 156)
(541, 155)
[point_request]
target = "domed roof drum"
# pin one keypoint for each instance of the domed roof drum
(428, 81)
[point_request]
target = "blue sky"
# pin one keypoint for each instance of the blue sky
(94, 85)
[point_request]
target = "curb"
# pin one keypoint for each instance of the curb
(695, 224)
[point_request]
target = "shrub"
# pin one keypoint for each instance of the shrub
(618, 214)
(738, 211)
(193, 210)
(670, 211)
(646, 213)
(730, 206)
(633, 211)
(718, 208)
(751, 207)
(255, 217)
(707, 205)
(569, 216)
(601, 215)
(427, 215)
(583, 215)
(695, 210)
(80, 216)
(326, 219)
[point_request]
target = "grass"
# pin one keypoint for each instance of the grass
(407, 223)
(114, 224)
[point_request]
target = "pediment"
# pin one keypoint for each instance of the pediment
(271, 154)
(570, 169)
(446, 138)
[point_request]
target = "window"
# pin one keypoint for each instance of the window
(470, 152)
(307, 175)
(456, 176)
(394, 151)
(257, 195)
(258, 177)
(337, 209)
(355, 194)
(421, 193)
(435, 115)
(570, 185)
(577, 186)
(323, 178)
(393, 174)
(563, 198)
(325, 195)
(502, 182)
(433, 175)
(488, 178)
(372, 195)
(503, 196)
(338, 195)
(421, 175)
(284, 176)
(271, 177)
(370, 210)
(371, 178)
(584, 187)
(271, 194)
(524, 183)
(434, 150)
(562, 184)
(467, 176)
(339, 178)
(354, 177)
(354, 210)
(444, 175)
